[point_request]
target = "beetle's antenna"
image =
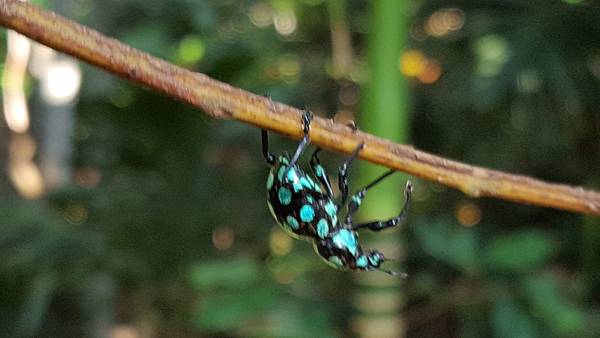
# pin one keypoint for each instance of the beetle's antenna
(394, 273)
(379, 179)
(390, 272)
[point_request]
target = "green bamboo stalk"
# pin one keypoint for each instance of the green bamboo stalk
(385, 113)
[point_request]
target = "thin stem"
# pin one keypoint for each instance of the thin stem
(223, 101)
(341, 45)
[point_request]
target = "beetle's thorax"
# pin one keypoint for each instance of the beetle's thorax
(298, 203)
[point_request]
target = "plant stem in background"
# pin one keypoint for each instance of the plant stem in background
(385, 113)
(341, 41)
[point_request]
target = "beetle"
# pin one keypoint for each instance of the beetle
(305, 207)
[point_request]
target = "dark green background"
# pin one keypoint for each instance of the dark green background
(519, 91)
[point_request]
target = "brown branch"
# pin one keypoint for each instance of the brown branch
(223, 101)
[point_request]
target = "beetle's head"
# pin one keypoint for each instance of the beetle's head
(376, 259)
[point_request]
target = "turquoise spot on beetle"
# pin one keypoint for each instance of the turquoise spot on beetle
(361, 262)
(270, 180)
(330, 208)
(280, 173)
(285, 196)
(307, 213)
(357, 200)
(292, 222)
(346, 239)
(284, 159)
(297, 186)
(306, 183)
(291, 175)
(322, 228)
(310, 199)
(319, 171)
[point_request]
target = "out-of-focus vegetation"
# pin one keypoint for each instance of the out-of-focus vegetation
(161, 227)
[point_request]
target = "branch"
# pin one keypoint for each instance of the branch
(223, 101)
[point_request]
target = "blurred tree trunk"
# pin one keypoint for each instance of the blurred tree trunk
(385, 113)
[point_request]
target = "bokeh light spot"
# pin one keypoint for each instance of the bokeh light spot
(124, 331)
(285, 22)
(191, 49)
(593, 64)
(261, 15)
(431, 73)
(491, 52)
(281, 244)
(87, 177)
(61, 83)
(468, 214)
(443, 21)
(223, 237)
(76, 213)
(412, 62)
(528, 81)
(27, 179)
(454, 18)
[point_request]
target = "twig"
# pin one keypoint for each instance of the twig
(223, 101)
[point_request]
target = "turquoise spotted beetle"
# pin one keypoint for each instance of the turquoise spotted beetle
(305, 207)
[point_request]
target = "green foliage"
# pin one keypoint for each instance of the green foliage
(36, 304)
(172, 231)
(510, 320)
(238, 296)
(564, 319)
(235, 274)
(447, 243)
(519, 252)
(527, 300)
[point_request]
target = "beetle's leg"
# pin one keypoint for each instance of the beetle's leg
(343, 173)
(269, 158)
(319, 172)
(354, 204)
(306, 119)
(357, 198)
(392, 222)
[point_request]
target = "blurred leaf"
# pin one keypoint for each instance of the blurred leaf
(235, 309)
(36, 304)
(233, 274)
(519, 251)
(453, 245)
(291, 320)
(37, 239)
(150, 38)
(203, 14)
(510, 320)
(562, 317)
(590, 251)
(263, 312)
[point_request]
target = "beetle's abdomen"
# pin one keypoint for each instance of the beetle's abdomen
(342, 251)
(298, 203)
